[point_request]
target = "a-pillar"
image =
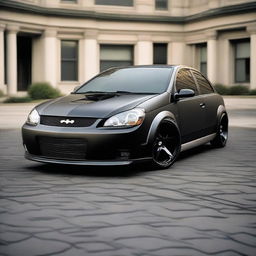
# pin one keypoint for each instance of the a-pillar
(90, 54)
(144, 51)
(252, 30)
(50, 56)
(212, 56)
(12, 59)
(2, 68)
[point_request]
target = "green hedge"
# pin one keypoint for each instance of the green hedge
(221, 89)
(43, 90)
(238, 90)
(253, 92)
(18, 99)
(234, 90)
(1, 93)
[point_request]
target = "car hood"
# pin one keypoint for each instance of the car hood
(97, 106)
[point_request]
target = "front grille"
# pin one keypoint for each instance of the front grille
(67, 121)
(62, 148)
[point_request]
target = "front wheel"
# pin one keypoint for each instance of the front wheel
(222, 132)
(166, 145)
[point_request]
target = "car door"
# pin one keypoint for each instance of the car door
(210, 101)
(191, 112)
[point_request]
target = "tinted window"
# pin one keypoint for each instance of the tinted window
(242, 62)
(184, 80)
(204, 85)
(161, 4)
(115, 56)
(114, 2)
(135, 80)
(160, 53)
(69, 59)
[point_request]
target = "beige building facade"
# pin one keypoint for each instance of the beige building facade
(66, 42)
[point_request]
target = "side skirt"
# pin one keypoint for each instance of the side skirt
(197, 142)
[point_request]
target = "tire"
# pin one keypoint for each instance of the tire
(166, 145)
(221, 138)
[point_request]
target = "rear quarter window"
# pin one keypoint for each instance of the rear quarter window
(204, 86)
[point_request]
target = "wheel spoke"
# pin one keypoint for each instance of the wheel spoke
(223, 136)
(167, 151)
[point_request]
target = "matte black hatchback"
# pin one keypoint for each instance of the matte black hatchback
(127, 115)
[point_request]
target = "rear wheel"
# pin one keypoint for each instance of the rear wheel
(166, 145)
(222, 132)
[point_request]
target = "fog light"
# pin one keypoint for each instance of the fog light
(124, 154)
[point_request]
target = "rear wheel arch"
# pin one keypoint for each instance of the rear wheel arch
(220, 111)
(221, 137)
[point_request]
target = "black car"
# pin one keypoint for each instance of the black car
(126, 115)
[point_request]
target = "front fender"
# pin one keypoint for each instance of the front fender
(157, 120)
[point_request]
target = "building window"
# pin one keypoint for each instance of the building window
(115, 56)
(161, 4)
(242, 62)
(69, 1)
(69, 60)
(202, 50)
(5, 57)
(160, 53)
(114, 2)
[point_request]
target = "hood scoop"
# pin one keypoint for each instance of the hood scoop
(99, 96)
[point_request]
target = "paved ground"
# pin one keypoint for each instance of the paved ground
(204, 205)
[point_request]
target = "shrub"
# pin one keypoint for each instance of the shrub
(238, 90)
(43, 90)
(18, 99)
(1, 93)
(221, 89)
(253, 92)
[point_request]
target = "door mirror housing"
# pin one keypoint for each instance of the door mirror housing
(184, 93)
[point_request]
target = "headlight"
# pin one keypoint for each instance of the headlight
(132, 117)
(33, 118)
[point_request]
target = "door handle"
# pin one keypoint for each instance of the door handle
(202, 105)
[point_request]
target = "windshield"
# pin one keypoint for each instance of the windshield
(132, 80)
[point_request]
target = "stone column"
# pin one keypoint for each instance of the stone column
(176, 53)
(144, 51)
(50, 56)
(12, 59)
(2, 68)
(212, 56)
(87, 3)
(252, 30)
(90, 55)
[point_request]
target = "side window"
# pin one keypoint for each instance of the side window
(184, 80)
(204, 85)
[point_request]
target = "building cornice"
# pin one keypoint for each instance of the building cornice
(72, 13)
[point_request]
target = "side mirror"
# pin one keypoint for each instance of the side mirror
(184, 93)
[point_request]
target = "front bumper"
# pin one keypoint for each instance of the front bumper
(86, 162)
(104, 146)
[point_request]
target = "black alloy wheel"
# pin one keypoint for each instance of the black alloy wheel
(222, 132)
(166, 145)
